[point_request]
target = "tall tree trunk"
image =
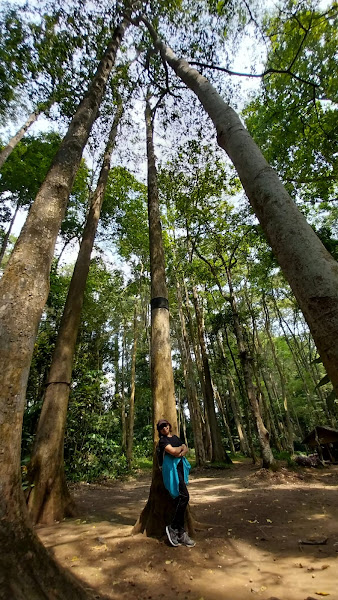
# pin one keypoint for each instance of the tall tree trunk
(7, 150)
(245, 358)
(222, 410)
(309, 268)
(193, 403)
(49, 499)
(218, 453)
(123, 397)
(154, 516)
(244, 400)
(289, 427)
(8, 233)
(23, 293)
(199, 366)
(243, 442)
(131, 419)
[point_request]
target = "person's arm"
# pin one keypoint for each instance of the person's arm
(184, 450)
(175, 451)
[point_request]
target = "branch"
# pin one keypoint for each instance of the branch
(255, 75)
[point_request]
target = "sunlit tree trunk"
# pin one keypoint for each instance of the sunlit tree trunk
(27, 572)
(309, 268)
(49, 499)
(155, 514)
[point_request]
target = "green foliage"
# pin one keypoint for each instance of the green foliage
(294, 120)
(26, 168)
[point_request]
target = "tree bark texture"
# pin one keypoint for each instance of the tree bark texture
(218, 454)
(23, 293)
(309, 268)
(49, 499)
(156, 513)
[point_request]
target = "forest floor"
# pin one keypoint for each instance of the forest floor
(251, 547)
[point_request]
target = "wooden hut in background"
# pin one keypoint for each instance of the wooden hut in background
(325, 441)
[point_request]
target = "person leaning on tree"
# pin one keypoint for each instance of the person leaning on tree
(175, 472)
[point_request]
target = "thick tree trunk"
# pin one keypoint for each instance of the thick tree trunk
(23, 293)
(28, 571)
(49, 499)
(8, 233)
(309, 268)
(7, 150)
(156, 514)
(131, 419)
(218, 453)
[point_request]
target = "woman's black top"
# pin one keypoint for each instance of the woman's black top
(173, 440)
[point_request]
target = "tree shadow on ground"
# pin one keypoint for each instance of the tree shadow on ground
(250, 545)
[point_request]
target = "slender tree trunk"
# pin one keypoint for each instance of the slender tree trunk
(309, 268)
(289, 427)
(23, 293)
(199, 366)
(6, 238)
(7, 150)
(218, 453)
(245, 358)
(222, 410)
(244, 401)
(194, 406)
(154, 516)
(243, 442)
(123, 398)
(49, 499)
(131, 419)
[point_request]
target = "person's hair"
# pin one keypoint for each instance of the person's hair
(162, 434)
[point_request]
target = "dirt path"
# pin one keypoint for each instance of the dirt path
(250, 549)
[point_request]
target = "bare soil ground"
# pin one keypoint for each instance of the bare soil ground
(250, 547)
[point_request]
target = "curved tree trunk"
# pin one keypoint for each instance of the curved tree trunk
(155, 515)
(23, 293)
(309, 268)
(49, 499)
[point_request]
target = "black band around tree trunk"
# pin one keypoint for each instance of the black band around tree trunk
(159, 303)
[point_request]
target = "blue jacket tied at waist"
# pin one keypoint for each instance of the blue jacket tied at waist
(170, 475)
